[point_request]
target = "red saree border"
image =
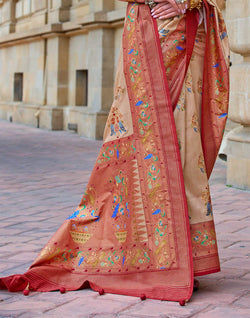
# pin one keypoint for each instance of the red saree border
(192, 21)
(148, 38)
(202, 264)
(205, 251)
(216, 78)
(178, 156)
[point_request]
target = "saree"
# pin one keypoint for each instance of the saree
(144, 226)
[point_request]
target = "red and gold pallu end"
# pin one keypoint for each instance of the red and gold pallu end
(130, 234)
(205, 250)
(215, 85)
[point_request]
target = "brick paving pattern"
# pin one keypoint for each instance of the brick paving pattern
(43, 175)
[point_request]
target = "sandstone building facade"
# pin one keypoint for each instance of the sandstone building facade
(57, 62)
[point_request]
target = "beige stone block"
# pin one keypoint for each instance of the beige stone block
(24, 114)
(19, 9)
(52, 94)
(237, 9)
(5, 111)
(239, 148)
(51, 118)
(5, 29)
(90, 125)
(230, 125)
(39, 5)
(101, 68)
(55, 4)
(238, 154)
(239, 75)
(238, 21)
(99, 5)
(116, 14)
(107, 98)
(94, 98)
(94, 59)
(38, 19)
(28, 59)
(238, 172)
(62, 95)
(6, 11)
(246, 59)
(239, 110)
(236, 58)
(45, 117)
(57, 71)
(24, 25)
(78, 60)
(100, 124)
(6, 79)
(117, 45)
(79, 11)
(59, 15)
(52, 47)
(120, 5)
(239, 35)
(26, 7)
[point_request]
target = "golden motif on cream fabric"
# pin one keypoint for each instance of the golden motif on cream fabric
(119, 123)
(187, 118)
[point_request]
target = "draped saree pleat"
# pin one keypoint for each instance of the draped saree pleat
(131, 232)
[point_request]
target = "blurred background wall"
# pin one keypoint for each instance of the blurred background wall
(57, 62)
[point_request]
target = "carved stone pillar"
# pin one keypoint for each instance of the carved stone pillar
(7, 19)
(59, 11)
(238, 154)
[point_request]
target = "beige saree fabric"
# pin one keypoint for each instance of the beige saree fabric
(188, 120)
(188, 125)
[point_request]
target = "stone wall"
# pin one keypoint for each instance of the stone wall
(238, 146)
(57, 47)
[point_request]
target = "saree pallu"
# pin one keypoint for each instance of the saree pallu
(144, 226)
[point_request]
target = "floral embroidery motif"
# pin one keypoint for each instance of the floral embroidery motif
(116, 123)
(201, 163)
(179, 140)
(204, 238)
(95, 259)
(118, 94)
(189, 82)
(181, 104)
(115, 120)
(120, 205)
(207, 201)
(219, 77)
(195, 123)
(176, 46)
(116, 150)
(199, 86)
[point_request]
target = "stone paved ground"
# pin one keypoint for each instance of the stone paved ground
(42, 177)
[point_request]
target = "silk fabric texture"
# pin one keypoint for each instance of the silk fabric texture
(145, 223)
